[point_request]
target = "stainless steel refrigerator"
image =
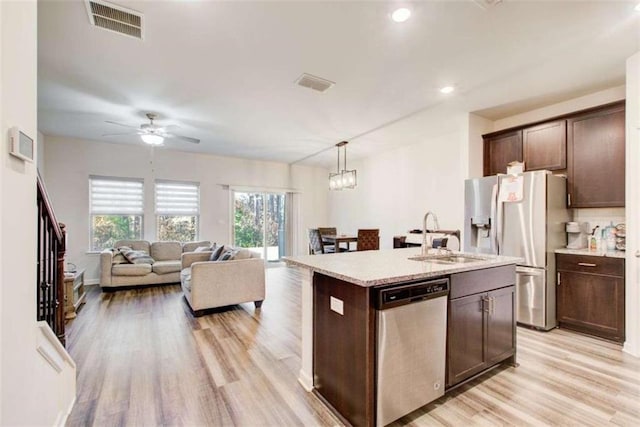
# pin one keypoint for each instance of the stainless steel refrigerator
(523, 216)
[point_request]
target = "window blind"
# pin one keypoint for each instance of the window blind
(177, 198)
(115, 196)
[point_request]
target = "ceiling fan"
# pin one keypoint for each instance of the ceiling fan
(152, 133)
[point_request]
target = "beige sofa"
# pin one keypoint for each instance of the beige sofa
(210, 284)
(165, 269)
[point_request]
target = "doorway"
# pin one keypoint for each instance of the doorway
(259, 223)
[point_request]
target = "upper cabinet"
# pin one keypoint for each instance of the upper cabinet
(545, 146)
(500, 150)
(596, 158)
(588, 145)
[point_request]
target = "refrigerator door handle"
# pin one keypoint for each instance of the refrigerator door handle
(527, 271)
(494, 218)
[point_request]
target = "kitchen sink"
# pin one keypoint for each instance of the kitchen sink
(447, 259)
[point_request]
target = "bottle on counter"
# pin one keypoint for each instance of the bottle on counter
(594, 239)
(611, 237)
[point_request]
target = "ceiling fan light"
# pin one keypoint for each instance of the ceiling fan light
(152, 139)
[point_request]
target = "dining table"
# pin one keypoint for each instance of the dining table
(337, 239)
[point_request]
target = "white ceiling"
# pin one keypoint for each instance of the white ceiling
(224, 71)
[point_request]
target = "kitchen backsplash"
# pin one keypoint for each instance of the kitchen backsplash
(599, 216)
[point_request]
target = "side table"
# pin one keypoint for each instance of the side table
(74, 294)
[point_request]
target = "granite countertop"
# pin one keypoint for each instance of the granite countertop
(373, 268)
(589, 252)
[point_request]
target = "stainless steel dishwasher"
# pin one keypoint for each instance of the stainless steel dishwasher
(411, 347)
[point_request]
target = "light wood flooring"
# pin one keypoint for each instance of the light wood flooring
(143, 359)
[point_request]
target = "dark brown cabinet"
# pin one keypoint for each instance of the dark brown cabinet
(500, 150)
(589, 145)
(344, 348)
(545, 146)
(590, 295)
(596, 142)
(481, 322)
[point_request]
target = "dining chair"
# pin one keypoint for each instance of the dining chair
(368, 239)
(315, 243)
(328, 231)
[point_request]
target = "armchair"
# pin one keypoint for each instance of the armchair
(210, 284)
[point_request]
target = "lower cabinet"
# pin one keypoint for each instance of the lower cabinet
(481, 322)
(590, 295)
(344, 348)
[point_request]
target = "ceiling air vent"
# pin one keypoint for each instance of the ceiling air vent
(313, 82)
(115, 18)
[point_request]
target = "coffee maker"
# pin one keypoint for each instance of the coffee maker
(577, 235)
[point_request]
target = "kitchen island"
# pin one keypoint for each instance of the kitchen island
(339, 329)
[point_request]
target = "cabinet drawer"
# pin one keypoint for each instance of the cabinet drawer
(476, 281)
(591, 264)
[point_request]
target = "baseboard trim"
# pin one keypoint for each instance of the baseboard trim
(91, 282)
(61, 421)
(630, 349)
(305, 380)
(51, 349)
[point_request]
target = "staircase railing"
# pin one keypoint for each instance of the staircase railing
(50, 276)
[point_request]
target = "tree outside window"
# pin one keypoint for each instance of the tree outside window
(178, 228)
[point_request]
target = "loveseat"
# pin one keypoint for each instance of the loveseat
(116, 271)
(209, 284)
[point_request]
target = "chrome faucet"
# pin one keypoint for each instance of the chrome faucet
(424, 230)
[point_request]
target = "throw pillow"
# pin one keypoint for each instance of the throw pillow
(217, 251)
(242, 254)
(136, 257)
(202, 249)
(227, 255)
(118, 258)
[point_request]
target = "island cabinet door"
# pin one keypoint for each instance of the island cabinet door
(499, 312)
(343, 353)
(465, 343)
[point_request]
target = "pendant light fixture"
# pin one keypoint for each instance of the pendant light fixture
(343, 178)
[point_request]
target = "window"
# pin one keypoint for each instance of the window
(177, 210)
(116, 206)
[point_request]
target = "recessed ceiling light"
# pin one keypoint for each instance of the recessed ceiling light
(401, 15)
(447, 89)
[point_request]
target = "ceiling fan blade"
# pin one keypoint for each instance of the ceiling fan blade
(183, 138)
(121, 124)
(121, 134)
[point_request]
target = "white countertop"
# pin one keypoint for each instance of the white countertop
(373, 268)
(589, 252)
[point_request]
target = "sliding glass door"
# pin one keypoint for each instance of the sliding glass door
(259, 223)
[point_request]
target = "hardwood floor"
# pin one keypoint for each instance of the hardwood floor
(144, 360)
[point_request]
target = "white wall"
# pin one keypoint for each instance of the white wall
(632, 279)
(396, 188)
(32, 392)
(478, 126)
(41, 150)
(69, 162)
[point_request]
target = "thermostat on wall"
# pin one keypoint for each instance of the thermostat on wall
(21, 144)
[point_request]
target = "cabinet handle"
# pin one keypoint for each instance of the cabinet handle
(587, 264)
(568, 199)
(485, 304)
(558, 277)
